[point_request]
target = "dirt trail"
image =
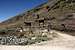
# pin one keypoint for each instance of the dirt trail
(62, 42)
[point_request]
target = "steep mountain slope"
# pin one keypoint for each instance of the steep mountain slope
(36, 24)
(55, 14)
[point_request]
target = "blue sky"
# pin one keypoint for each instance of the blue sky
(9, 8)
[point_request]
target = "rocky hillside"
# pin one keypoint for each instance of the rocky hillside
(54, 14)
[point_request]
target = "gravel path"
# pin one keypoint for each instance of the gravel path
(63, 40)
